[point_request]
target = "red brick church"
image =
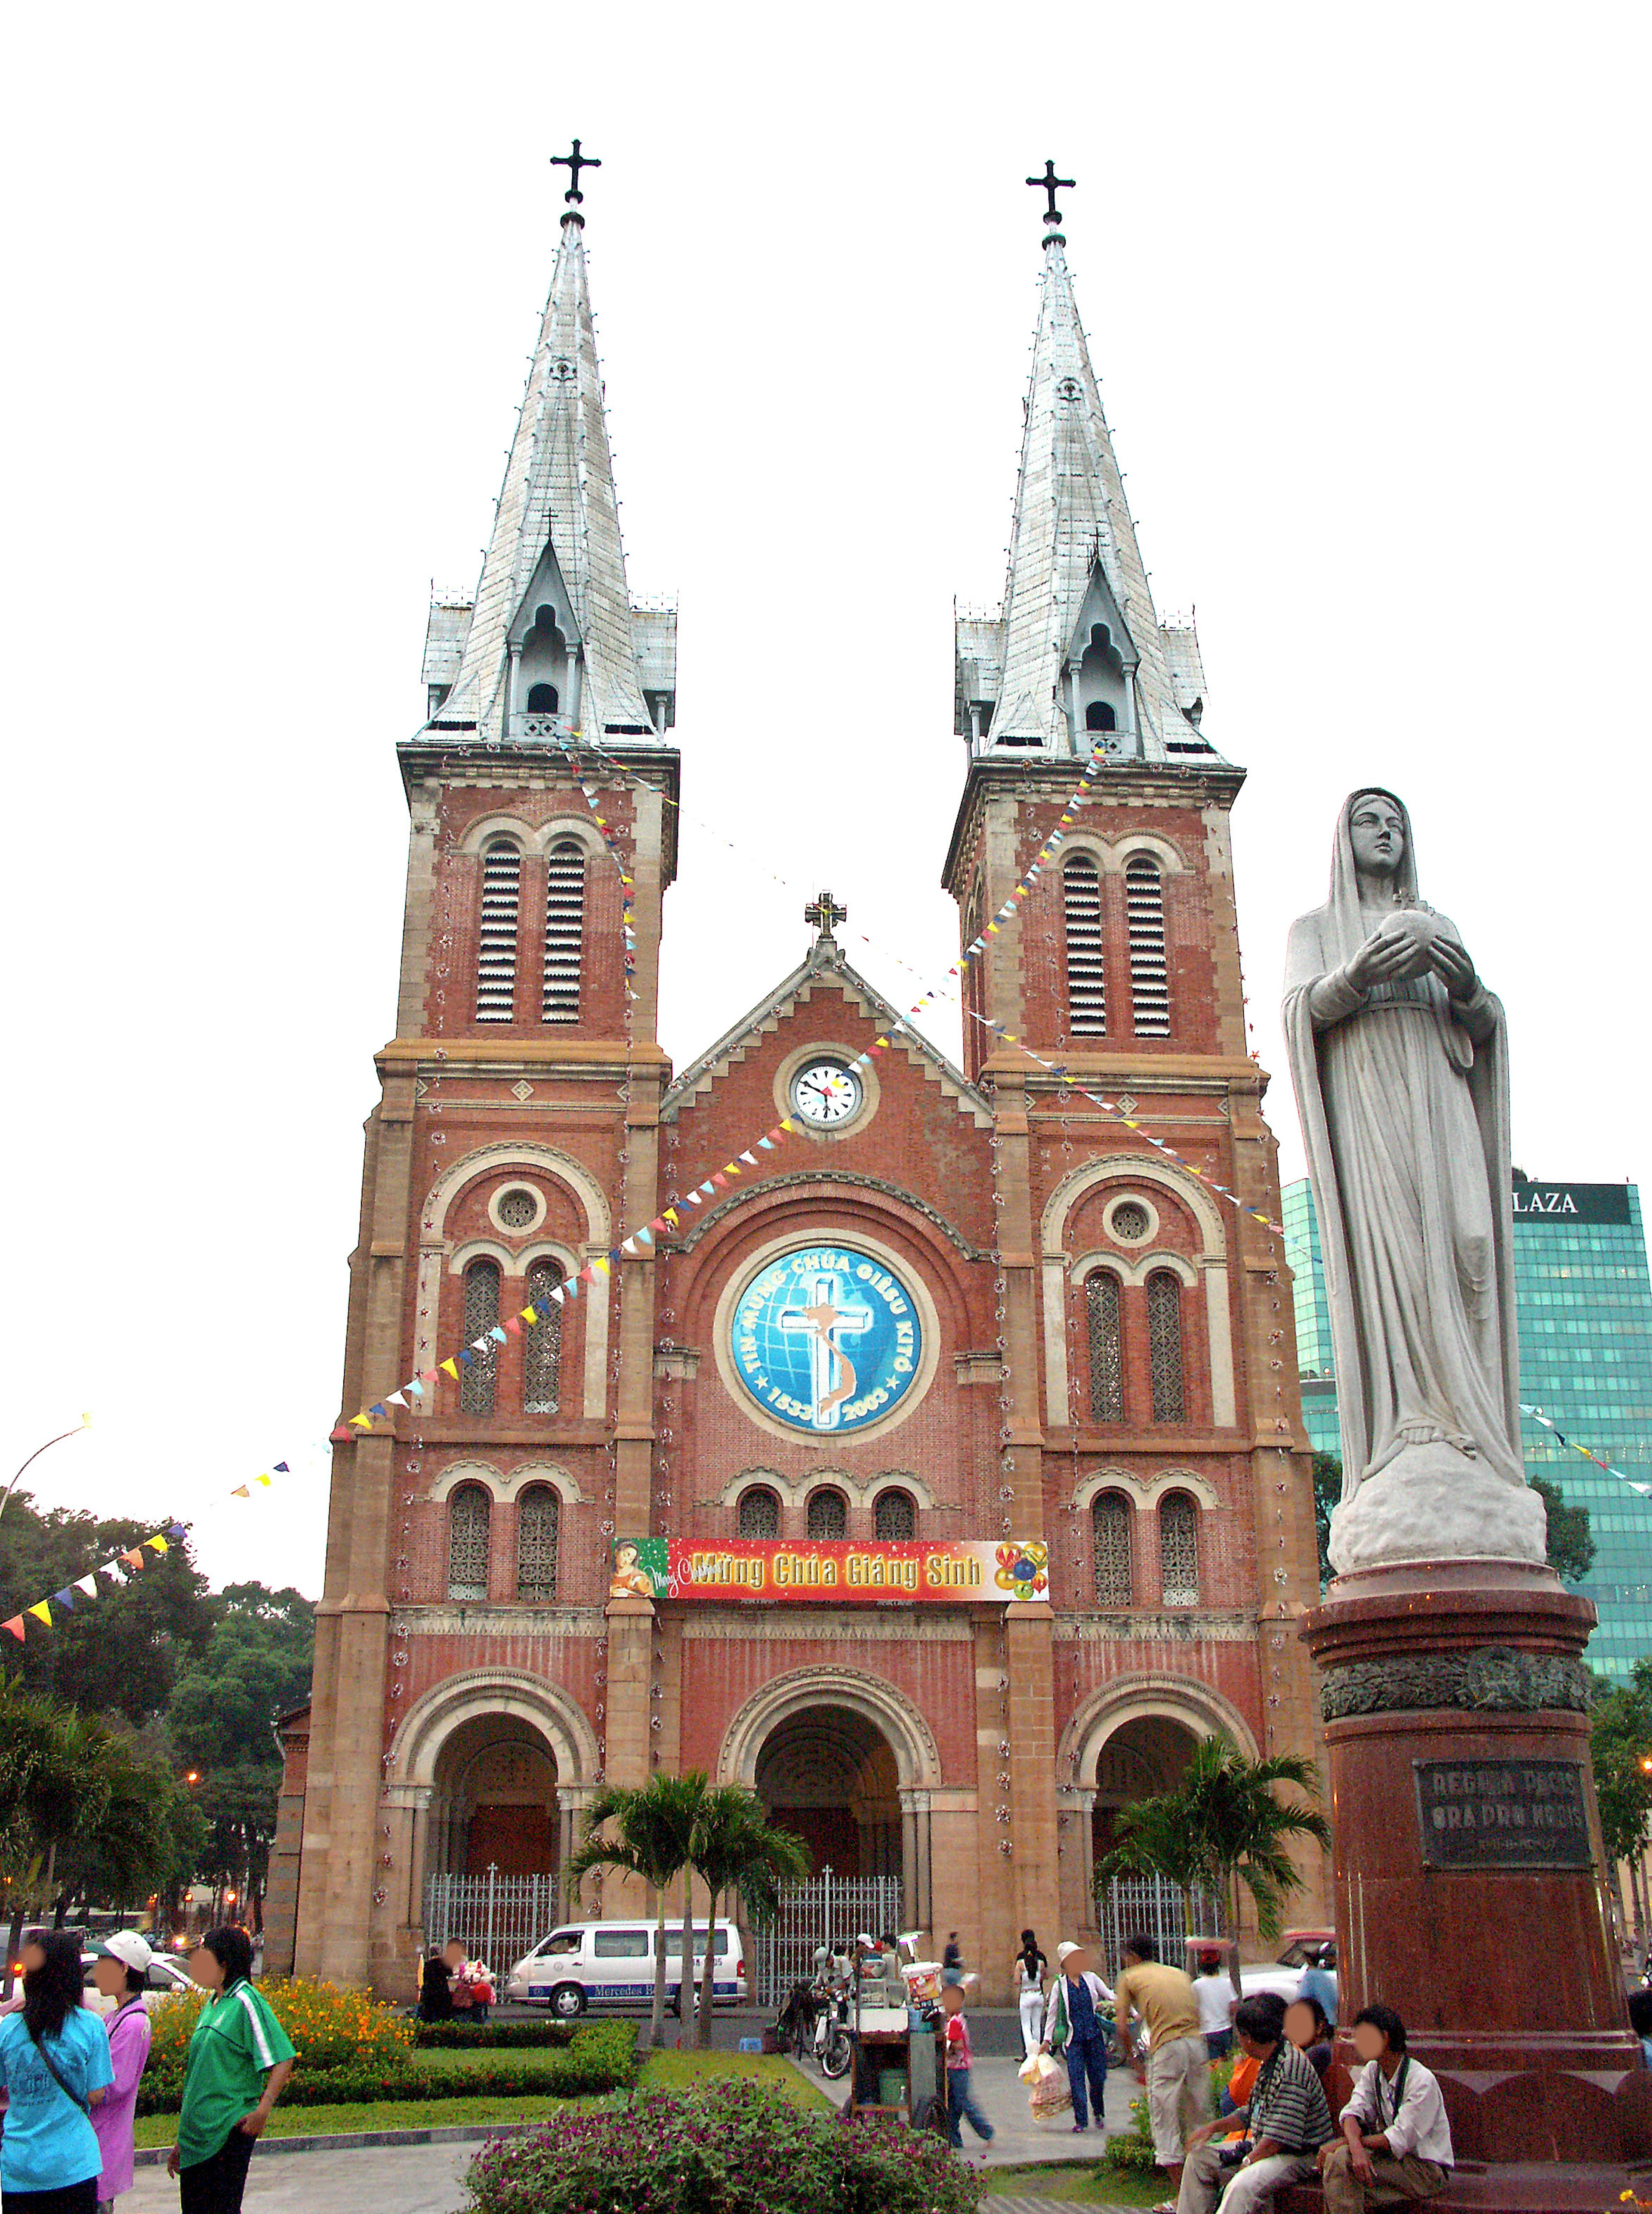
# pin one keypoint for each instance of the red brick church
(742, 1499)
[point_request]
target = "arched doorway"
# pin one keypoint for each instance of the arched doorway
(829, 1774)
(1142, 1759)
(495, 1805)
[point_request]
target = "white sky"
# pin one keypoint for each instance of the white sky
(1365, 287)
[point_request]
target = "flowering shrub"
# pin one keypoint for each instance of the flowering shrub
(330, 2027)
(736, 2147)
(602, 2056)
(1132, 2149)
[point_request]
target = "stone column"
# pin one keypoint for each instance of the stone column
(631, 1668)
(1029, 1640)
(1467, 1864)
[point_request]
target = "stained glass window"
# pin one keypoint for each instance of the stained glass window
(1164, 1346)
(1130, 1221)
(482, 1280)
(1178, 1549)
(496, 960)
(539, 1525)
(1110, 1515)
(542, 1341)
(1149, 973)
(469, 1514)
(760, 1513)
(828, 1514)
(1087, 987)
(517, 1208)
(895, 1516)
(1106, 1355)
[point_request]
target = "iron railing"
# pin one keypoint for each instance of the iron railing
(496, 1917)
(828, 1910)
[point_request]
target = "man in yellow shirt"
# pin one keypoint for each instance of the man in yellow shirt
(1178, 2074)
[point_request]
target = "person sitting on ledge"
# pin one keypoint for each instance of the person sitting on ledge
(1288, 2119)
(1396, 2142)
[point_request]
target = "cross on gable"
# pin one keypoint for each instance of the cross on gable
(825, 914)
(574, 164)
(1048, 182)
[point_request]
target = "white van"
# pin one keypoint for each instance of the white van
(611, 1964)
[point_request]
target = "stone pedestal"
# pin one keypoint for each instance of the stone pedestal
(1469, 1890)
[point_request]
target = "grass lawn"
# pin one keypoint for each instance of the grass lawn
(1082, 2184)
(660, 2071)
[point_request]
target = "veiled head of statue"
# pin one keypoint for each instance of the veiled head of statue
(1373, 842)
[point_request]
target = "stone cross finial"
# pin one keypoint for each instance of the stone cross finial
(574, 164)
(825, 914)
(1048, 182)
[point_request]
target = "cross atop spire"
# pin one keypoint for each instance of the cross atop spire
(574, 164)
(1052, 184)
(825, 914)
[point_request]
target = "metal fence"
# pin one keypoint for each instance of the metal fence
(827, 1909)
(496, 1917)
(1153, 1906)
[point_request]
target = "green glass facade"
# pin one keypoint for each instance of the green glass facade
(1585, 1311)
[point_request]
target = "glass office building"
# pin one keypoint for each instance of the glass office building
(1585, 1311)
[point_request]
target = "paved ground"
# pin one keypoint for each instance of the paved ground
(1017, 2139)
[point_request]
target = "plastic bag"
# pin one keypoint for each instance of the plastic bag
(1051, 2094)
(1033, 2068)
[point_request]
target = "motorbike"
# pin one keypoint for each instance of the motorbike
(794, 2025)
(834, 2043)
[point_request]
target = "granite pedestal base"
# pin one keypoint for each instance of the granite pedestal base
(1467, 1878)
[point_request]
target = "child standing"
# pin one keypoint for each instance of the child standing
(960, 2099)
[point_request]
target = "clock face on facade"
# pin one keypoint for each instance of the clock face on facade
(825, 1093)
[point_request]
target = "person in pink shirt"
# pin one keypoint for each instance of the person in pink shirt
(120, 1970)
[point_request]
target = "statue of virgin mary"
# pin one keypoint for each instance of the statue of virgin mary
(1399, 1059)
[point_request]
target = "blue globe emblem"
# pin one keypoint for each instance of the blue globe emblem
(827, 1340)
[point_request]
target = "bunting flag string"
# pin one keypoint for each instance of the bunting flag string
(1080, 797)
(1538, 1415)
(126, 1569)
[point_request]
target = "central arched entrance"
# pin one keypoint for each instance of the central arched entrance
(1142, 1759)
(828, 1775)
(495, 1805)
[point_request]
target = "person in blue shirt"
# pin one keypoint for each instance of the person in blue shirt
(55, 2065)
(1640, 2021)
(1318, 1982)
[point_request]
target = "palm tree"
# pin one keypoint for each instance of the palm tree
(653, 1829)
(1223, 1825)
(736, 1849)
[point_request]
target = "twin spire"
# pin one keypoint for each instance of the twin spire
(553, 644)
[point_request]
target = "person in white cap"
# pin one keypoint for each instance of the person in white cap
(121, 1967)
(1074, 2031)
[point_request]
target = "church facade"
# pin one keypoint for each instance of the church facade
(918, 1444)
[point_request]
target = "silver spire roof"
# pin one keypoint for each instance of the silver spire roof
(558, 525)
(1075, 569)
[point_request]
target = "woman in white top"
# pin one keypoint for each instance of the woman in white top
(1031, 1969)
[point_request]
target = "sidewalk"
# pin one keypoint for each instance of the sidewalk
(1017, 2137)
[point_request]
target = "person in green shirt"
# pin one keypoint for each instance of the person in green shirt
(240, 2059)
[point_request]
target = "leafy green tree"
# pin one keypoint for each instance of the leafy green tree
(652, 1839)
(117, 1653)
(1327, 1494)
(1223, 1825)
(1620, 1742)
(736, 1849)
(1571, 1544)
(222, 1714)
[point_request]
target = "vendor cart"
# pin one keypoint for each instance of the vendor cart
(899, 2059)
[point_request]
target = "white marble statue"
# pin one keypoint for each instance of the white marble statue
(1400, 1062)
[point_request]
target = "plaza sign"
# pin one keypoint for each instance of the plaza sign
(838, 1571)
(1573, 1203)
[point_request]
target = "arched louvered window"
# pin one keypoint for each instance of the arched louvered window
(1164, 1351)
(760, 1513)
(542, 1341)
(565, 930)
(470, 1515)
(1110, 1516)
(828, 1514)
(1149, 973)
(1087, 983)
(1107, 1348)
(1178, 1549)
(495, 959)
(482, 1281)
(539, 1526)
(895, 1515)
